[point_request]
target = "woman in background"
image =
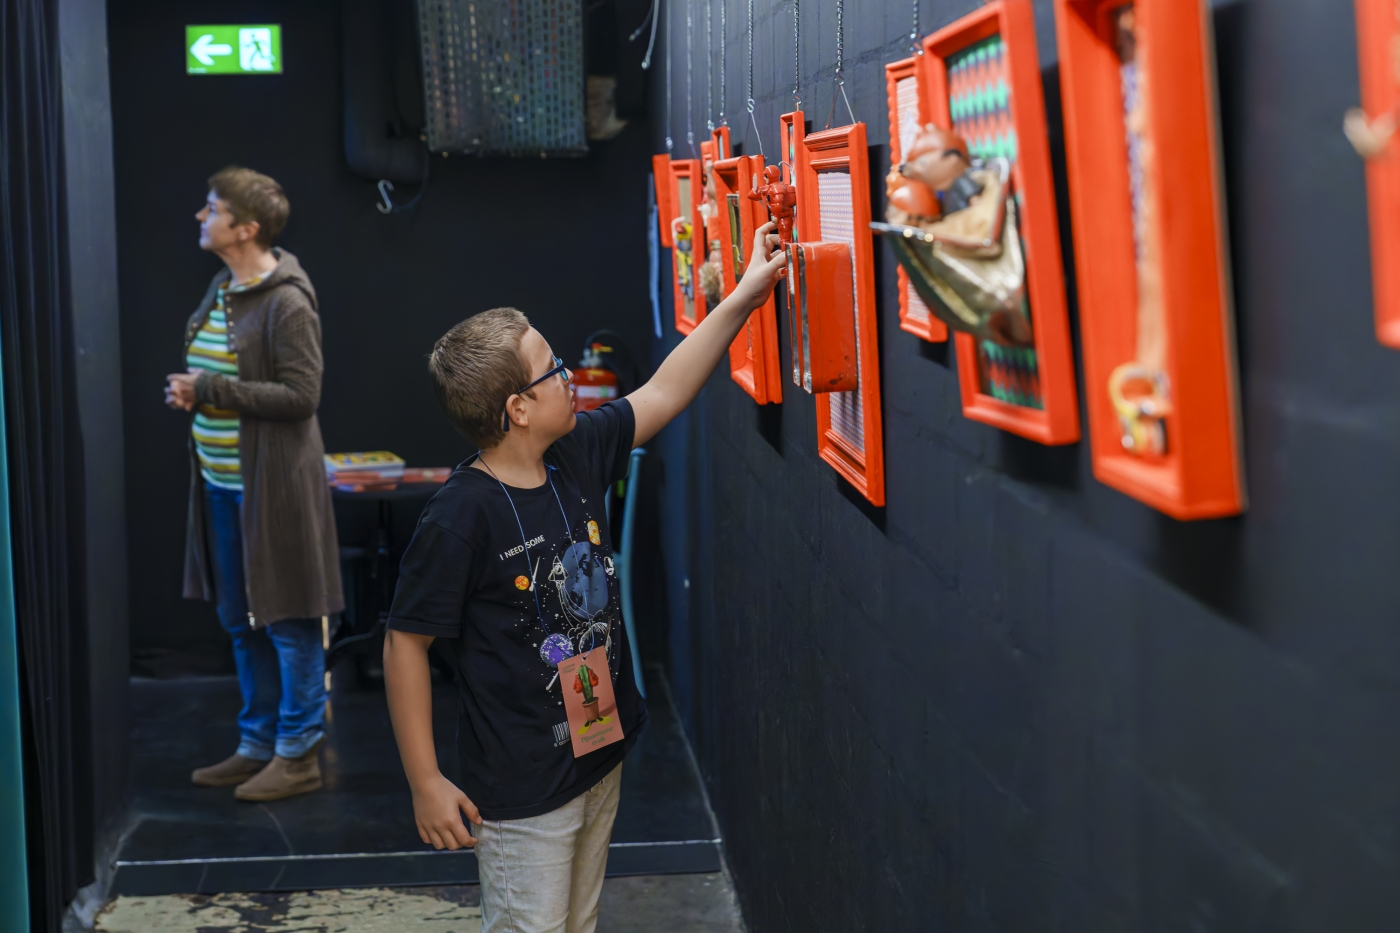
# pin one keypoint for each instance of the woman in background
(261, 539)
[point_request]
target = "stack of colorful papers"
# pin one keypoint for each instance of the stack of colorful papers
(375, 469)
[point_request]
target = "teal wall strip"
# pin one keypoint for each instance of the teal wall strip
(14, 873)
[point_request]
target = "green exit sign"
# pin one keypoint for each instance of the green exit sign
(233, 50)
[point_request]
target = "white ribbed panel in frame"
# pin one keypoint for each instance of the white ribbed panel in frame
(838, 226)
(907, 99)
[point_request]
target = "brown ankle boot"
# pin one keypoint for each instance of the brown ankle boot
(283, 777)
(232, 770)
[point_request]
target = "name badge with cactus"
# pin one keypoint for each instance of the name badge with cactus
(589, 701)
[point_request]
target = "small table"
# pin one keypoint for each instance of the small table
(380, 558)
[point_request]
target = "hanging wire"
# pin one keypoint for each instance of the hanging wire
(690, 76)
(723, 75)
(653, 12)
(748, 99)
(709, 65)
(796, 55)
(915, 46)
(838, 77)
(670, 143)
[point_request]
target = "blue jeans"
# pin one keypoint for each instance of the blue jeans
(281, 667)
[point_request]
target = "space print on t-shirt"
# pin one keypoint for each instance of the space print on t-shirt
(580, 577)
(576, 598)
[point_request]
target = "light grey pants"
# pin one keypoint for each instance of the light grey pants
(544, 874)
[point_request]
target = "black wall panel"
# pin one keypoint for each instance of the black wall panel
(565, 241)
(1014, 699)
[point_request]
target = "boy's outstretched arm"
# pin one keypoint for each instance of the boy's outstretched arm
(681, 375)
(438, 804)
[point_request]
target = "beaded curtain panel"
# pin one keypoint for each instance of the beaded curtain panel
(838, 226)
(907, 95)
(979, 98)
(504, 78)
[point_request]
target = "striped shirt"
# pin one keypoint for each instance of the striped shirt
(216, 430)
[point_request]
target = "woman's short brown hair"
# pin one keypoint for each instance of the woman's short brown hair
(250, 195)
(475, 367)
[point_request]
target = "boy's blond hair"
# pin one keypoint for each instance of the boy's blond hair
(475, 367)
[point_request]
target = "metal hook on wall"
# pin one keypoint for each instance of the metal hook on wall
(385, 186)
(387, 205)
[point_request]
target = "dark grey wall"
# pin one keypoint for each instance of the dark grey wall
(92, 274)
(1015, 699)
(564, 241)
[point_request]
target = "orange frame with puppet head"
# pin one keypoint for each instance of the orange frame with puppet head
(1030, 394)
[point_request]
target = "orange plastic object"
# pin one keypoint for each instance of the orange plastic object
(594, 386)
(904, 85)
(688, 242)
(821, 317)
(1002, 111)
(1200, 473)
(1378, 47)
(720, 137)
(661, 178)
(753, 356)
(832, 174)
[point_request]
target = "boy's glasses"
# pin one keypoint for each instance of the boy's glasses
(559, 370)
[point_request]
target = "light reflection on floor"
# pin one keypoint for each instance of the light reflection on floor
(643, 904)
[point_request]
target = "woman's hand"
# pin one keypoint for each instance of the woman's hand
(179, 391)
(767, 264)
(438, 806)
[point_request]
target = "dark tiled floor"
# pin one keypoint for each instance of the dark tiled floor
(364, 809)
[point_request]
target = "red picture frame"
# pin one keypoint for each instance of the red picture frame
(984, 369)
(903, 80)
(1377, 33)
(753, 356)
(661, 180)
(832, 169)
(686, 192)
(791, 128)
(1200, 473)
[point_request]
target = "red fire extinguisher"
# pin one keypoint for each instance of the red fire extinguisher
(594, 382)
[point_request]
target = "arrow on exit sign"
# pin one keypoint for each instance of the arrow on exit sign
(233, 50)
(204, 49)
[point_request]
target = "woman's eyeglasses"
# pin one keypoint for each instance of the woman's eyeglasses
(559, 370)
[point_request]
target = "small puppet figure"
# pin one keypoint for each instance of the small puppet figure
(712, 276)
(709, 204)
(936, 178)
(584, 682)
(708, 271)
(682, 234)
(780, 199)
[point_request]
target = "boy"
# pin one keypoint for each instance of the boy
(511, 565)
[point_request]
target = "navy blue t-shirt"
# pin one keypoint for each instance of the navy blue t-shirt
(469, 580)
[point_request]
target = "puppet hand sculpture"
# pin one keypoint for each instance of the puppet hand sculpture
(780, 199)
(1369, 138)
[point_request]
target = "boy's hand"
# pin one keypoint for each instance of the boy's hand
(767, 264)
(680, 376)
(437, 809)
